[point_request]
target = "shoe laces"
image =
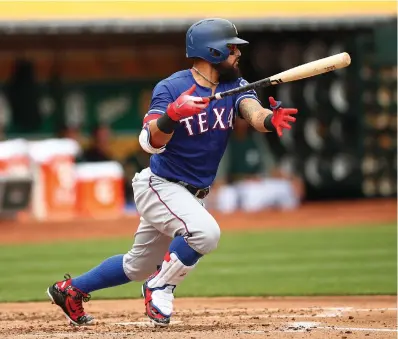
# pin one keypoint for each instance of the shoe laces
(77, 296)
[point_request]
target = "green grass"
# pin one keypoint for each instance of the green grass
(341, 261)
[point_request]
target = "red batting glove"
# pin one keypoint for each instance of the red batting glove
(281, 116)
(186, 105)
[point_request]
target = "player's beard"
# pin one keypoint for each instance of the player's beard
(227, 72)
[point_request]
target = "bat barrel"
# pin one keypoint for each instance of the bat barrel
(303, 71)
(313, 68)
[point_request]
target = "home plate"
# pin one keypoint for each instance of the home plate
(144, 323)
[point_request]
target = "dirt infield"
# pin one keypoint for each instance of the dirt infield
(335, 214)
(218, 318)
(213, 318)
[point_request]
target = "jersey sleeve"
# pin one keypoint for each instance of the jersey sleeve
(248, 94)
(161, 97)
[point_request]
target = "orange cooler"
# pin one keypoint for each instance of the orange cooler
(100, 192)
(54, 191)
(14, 158)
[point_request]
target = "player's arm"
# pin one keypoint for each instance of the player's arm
(255, 114)
(159, 138)
(265, 120)
(164, 115)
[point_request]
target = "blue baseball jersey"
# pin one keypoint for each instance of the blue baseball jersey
(195, 150)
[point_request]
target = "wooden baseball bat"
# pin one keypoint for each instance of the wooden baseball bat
(307, 70)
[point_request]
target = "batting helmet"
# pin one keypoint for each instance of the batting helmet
(208, 39)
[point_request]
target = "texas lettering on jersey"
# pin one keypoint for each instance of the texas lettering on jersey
(195, 150)
(223, 121)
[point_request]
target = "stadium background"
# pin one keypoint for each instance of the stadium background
(96, 63)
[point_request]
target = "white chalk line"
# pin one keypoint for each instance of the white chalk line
(315, 325)
(303, 326)
(323, 328)
(327, 312)
(328, 328)
(304, 309)
(289, 316)
(144, 323)
(361, 329)
(300, 326)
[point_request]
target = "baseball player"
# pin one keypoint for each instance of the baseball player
(187, 136)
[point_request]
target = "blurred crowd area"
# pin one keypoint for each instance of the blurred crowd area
(94, 88)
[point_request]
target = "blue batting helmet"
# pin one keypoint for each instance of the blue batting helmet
(208, 39)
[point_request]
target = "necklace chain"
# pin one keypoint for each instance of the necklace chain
(204, 77)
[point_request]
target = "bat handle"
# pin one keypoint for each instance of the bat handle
(260, 83)
(217, 96)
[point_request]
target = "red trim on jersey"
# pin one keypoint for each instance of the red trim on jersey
(150, 117)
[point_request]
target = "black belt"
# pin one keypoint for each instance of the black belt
(199, 193)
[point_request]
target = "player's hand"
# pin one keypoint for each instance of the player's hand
(281, 116)
(186, 105)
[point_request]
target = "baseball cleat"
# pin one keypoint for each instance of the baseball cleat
(70, 299)
(164, 297)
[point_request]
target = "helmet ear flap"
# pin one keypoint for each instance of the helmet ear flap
(218, 51)
(215, 52)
